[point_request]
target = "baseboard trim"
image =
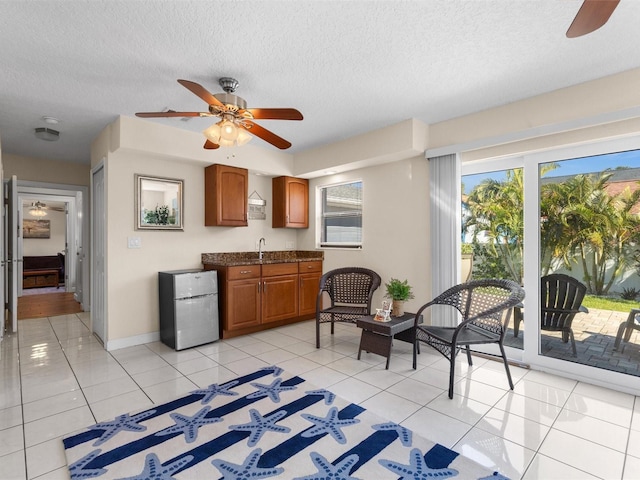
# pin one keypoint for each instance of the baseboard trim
(133, 341)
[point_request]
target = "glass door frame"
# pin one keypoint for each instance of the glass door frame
(530, 162)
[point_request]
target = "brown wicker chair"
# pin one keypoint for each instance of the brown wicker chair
(485, 306)
(350, 290)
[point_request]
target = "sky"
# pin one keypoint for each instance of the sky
(597, 163)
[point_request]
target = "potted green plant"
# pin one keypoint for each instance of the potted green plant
(399, 292)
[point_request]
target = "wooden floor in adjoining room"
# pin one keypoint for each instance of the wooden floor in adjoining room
(47, 305)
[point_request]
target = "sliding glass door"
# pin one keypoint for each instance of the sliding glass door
(573, 213)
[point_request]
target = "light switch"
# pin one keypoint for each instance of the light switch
(134, 242)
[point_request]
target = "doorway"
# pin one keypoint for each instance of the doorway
(51, 265)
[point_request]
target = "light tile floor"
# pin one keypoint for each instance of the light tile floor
(56, 378)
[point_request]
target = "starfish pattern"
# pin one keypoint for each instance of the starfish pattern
(417, 469)
(77, 470)
(495, 476)
(189, 425)
(330, 424)
(272, 391)
(153, 469)
(404, 434)
(119, 424)
(260, 425)
(214, 390)
(329, 397)
(248, 469)
(327, 470)
(274, 369)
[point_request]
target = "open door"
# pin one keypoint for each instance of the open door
(3, 261)
(12, 216)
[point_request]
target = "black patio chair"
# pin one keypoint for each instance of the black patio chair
(485, 307)
(350, 290)
(561, 298)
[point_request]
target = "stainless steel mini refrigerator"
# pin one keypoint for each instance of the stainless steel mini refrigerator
(188, 308)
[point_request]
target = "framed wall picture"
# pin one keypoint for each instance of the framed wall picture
(159, 203)
(36, 228)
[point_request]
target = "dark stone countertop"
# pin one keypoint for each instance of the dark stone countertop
(232, 259)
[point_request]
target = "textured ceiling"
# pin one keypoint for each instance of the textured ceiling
(348, 66)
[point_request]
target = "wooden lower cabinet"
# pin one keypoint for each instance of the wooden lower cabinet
(279, 292)
(243, 304)
(309, 283)
(255, 297)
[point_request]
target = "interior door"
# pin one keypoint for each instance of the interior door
(2, 260)
(12, 251)
(98, 285)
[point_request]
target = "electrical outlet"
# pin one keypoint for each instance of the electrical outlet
(257, 245)
(289, 245)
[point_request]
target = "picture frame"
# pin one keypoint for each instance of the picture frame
(159, 203)
(36, 228)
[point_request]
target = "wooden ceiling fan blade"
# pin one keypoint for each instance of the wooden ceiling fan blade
(209, 145)
(202, 92)
(171, 113)
(592, 15)
(275, 113)
(266, 135)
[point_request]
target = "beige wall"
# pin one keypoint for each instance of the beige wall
(45, 170)
(395, 225)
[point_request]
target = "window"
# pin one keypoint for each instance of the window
(341, 215)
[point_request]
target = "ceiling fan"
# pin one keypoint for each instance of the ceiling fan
(592, 15)
(236, 118)
(38, 209)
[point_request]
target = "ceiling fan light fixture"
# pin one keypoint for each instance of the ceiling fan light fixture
(36, 210)
(243, 137)
(228, 131)
(213, 133)
(48, 134)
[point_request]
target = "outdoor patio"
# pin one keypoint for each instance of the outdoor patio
(595, 335)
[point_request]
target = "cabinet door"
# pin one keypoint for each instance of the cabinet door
(226, 196)
(243, 304)
(309, 285)
(279, 298)
(290, 202)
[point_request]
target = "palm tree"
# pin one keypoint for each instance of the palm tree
(495, 211)
(587, 225)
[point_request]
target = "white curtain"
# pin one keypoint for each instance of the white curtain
(445, 194)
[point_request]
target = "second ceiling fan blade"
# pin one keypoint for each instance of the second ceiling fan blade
(200, 91)
(592, 15)
(209, 145)
(266, 135)
(275, 113)
(171, 113)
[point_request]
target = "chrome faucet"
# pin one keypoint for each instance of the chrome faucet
(261, 242)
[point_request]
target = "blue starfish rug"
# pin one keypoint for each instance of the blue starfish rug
(265, 424)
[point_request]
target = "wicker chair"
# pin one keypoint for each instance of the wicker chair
(350, 290)
(485, 306)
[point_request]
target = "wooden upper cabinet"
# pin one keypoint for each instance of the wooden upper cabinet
(290, 202)
(226, 192)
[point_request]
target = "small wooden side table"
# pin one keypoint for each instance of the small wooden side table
(377, 337)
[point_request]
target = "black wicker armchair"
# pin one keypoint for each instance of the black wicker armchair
(350, 290)
(485, 307)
